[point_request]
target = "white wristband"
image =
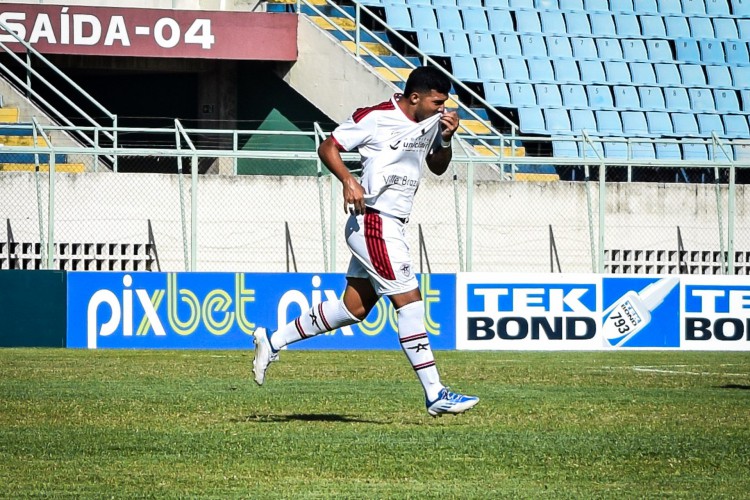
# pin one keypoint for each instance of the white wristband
(445, 144)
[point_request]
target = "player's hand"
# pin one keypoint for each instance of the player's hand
(448, 124)
(354, 197)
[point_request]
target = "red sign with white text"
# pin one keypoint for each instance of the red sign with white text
(57, 29)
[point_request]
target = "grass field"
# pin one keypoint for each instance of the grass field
(192, 424)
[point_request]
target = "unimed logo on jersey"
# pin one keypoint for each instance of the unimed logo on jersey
(717, 316)
(517, 313)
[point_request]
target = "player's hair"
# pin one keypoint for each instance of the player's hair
(426, 78)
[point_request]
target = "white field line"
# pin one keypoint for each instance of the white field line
(652, 369)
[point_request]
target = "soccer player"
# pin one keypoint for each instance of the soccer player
(395, 139)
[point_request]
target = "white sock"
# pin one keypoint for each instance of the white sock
(416, 345)
(324, 317)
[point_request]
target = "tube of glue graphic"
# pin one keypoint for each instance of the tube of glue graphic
(632, 312)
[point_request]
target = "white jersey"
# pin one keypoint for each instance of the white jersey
(393, 148)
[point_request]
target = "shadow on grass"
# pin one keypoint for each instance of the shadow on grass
(735, 386)
(304, 417)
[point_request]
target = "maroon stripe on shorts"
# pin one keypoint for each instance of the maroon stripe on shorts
(376, 246)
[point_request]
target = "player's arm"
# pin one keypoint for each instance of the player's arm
(328, 151)
(440, 157)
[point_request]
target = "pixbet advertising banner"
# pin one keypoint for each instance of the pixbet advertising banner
(221, 310)
(85, 30)
(595, 312)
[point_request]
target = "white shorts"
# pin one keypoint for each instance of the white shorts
(380, 253)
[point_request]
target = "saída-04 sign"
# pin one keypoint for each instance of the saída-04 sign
(221, 310)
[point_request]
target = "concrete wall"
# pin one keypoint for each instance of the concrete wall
(241, 220)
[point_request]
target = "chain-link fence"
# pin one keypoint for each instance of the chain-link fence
(224, 210)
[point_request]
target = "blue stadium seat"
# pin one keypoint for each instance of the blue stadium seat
(482, 44)
(595, 150)
(557, 120)
(677, 99)
(701, 101)
(687, 51)
(592, 72)
(533, 46)
(615, 150)
(695, 7)
(521, 4)
(736, 126)
(531, 121)
(449, 18)
(553, 23)
(508, 45)
(444, 3)
(500, 21)
(565, 149)
(727, 101)
(669, 7)
(659, 51)
(710, 123)
(469, 3)
(423, 17)
(397, 16)
(548, 94)
(742, 152)
(609, 49)
(694, 151)
(430, 42)
(515, 70)
(603, 25)
(642, 151)
(527, 21)
(540, 71)
(559, 47)
(685, 124)
(600, 96)
(464, 68)
(712, 52)
(627, 25)
(578, 23)
(701, 28)
(652, 98)
(645, 7)
(546, 5)
(456, 43)
(745, 95)
(634, 124)
(626, 97)
(737, 53)
(496, 93)
(668, 151)
(693, 75)
(475, 20)
(642, 73)
(617, 72)
(596, 6)
(659, 123)
(677, 27)
(522, 95)
(634, 50)
(740, 75)
(566, 71)
(584, 48)
(719, 76)
(623, 6)
(743, 27)
(608, 122)
(725, 28)
(582, 120)
(717, 8)
(569, 5)
(489, 69)
(574, 96)
(667, 74)
(496, 4)
(653, 26)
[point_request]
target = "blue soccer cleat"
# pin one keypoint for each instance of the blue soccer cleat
(450, 402)
(264, 354)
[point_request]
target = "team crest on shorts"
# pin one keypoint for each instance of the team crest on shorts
(405, 270)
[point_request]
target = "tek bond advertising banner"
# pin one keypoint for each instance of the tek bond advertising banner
(595, 312)
(221, 310)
